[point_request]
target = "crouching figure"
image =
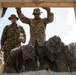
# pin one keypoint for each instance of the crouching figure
(63, 58)
(21, 59)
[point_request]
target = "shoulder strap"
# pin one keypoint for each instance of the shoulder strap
(19, 29)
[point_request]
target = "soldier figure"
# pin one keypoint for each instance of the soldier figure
(10, 36)
(37, 25)
(63, 58)
(21, 59)
(46, 57)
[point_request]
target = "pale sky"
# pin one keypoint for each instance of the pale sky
(64, 24)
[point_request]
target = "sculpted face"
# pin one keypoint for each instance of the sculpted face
(37, 16)
(13, 20)
(21, 37)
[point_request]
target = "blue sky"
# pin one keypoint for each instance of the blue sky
(64, 24)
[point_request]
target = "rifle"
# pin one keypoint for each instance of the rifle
(20, 65)
(37, 57)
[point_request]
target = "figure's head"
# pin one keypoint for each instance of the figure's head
(21, 37)
(13, 18)
(54, 44)
(56, 39)
(27, 51)
(37, 12)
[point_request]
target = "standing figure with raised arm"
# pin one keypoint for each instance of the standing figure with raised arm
(37, 24)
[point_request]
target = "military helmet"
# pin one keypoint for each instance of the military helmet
(13, 16)
(36, 11)
(56, 39)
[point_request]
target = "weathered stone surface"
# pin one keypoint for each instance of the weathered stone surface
(43, 72)
(72, 48)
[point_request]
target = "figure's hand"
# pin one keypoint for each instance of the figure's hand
(18, 10)
(46, 8)
(2, 48)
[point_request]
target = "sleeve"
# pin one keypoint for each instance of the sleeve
(4, 36)
(4, 11)
(49, 18)
(23, 18)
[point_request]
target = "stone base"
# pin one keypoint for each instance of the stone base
(41, 72)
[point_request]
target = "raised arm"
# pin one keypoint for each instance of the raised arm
(50, 15)
(4, 11)
(23, 18)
